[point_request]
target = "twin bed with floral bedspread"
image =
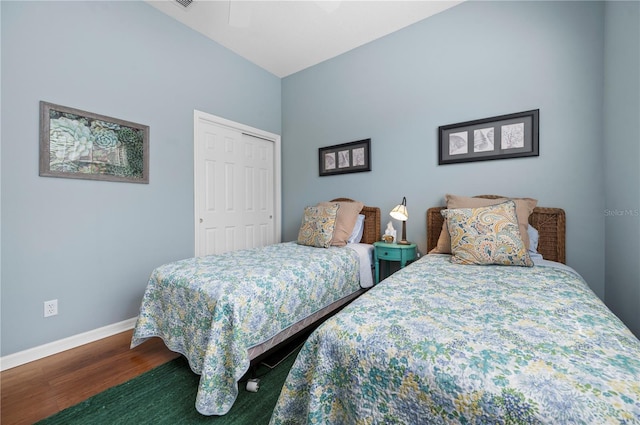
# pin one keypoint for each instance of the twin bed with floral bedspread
(222, 311)
(444, 341)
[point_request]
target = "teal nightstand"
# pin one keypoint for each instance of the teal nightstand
(393, 252)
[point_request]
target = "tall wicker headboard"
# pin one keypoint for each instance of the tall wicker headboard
(372, 220)
(550, 223)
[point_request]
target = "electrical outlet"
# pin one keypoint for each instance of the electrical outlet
(50, 308)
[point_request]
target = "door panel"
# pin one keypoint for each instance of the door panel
(235, 189)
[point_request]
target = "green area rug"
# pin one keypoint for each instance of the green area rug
(167, 395)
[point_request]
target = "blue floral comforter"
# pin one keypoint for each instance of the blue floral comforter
(212, 309)
(440, 343)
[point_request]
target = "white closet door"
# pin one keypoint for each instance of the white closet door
(235, 188)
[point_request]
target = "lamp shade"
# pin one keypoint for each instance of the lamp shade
(400, 211)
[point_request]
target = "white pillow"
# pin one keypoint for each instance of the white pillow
(358, 229)
(533, 239)
(533, 244)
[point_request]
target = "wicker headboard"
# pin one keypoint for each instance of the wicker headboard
(372, 219)
(550, 223)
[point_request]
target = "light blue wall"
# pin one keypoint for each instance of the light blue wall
(621, 146)
(476, 60)
(91, 244)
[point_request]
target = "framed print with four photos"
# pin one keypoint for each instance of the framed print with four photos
(353, 157)
(504, 136)
(82, 145)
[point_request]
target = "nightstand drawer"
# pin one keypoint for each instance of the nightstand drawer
(389, 254)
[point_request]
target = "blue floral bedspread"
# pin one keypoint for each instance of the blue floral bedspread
(212, 309)
(440, 343)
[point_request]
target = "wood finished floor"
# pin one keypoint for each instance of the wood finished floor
(36, 390)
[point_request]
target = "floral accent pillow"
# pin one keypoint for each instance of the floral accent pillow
(524, 208)
(346, 219)
(317, 226)
(486, 235)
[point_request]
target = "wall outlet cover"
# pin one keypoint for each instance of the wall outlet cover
(50, 308)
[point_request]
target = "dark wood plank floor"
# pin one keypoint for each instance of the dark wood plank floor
(41, 388)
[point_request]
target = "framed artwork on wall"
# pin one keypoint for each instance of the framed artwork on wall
(352, 157)
(82, 145)
(504, 136)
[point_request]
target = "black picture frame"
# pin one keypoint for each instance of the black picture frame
(352, 157)
(500, 137)
(78, 144)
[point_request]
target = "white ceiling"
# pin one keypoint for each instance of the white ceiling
(285, 37)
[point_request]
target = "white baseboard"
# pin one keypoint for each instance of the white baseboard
(55, 347)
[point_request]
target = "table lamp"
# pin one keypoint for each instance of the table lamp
(400, 213)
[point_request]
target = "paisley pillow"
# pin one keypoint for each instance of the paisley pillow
(346, 219)
(317, 226)
(486, 235)
(524, 208)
